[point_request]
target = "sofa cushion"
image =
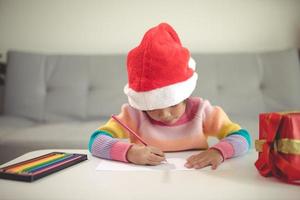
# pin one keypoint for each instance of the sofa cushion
(71, 135)
(248, 84)
(231, 81)
(55, 88)
(10, 124)
(24, 93)
(280, 83)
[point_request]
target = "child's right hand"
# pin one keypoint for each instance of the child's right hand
(145, 155)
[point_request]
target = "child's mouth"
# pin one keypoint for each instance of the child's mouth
(169, 121)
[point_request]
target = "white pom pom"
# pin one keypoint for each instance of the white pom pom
(192, 63)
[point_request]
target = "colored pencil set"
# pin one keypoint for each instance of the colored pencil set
(33, 169)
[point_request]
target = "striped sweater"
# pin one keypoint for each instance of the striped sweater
(191, 131)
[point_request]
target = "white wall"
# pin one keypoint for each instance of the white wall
(110, 26)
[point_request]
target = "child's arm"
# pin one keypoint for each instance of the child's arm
(102, 144)
(234, 141)
(106, 143)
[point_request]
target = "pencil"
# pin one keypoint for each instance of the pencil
(31, 164)
(130, 130)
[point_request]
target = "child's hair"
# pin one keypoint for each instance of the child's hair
(161, 72)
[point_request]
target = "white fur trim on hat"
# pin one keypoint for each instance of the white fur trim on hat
(161, 97)
(192, 63)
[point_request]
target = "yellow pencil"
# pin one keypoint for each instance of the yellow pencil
(31, 164)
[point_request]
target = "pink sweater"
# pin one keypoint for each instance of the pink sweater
(191, 131)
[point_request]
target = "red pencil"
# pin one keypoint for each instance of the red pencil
(131, 131)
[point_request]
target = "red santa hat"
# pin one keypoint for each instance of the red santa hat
(161, 72)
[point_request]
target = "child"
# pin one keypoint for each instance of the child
(161, 78)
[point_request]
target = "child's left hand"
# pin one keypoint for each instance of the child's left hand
(209, 157)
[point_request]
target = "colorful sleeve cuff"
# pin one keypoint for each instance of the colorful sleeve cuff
(239, 143)
(243, 133)
(96, 134)
(225, 148)
(119, 150)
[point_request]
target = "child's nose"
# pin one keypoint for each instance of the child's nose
(165, 114)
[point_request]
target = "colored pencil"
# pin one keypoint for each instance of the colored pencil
(28, 161)
(22, 167)
(55, 165)
(133, 133)
(130, 130)
(43, 165)
(38, 167)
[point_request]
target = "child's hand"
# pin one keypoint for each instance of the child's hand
(145, 155)
(209, 157)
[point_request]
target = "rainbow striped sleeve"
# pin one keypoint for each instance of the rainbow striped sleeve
(234, 141)
(106, 141)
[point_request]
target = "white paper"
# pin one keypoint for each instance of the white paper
(176, 164)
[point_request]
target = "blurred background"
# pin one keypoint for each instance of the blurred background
(113, 26)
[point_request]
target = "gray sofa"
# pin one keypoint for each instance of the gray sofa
(56, 101)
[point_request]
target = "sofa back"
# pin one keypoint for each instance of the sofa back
(51, 88)
(250, 83)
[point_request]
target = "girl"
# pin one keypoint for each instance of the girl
(161, 79)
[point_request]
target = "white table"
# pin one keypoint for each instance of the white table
(235, 179)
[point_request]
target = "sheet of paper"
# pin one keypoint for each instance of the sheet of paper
(172, 164)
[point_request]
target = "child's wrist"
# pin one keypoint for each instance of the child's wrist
(119, 151)
(225, 148)
(218, 151)
(129, 148)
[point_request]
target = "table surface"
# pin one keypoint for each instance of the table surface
(236, 178)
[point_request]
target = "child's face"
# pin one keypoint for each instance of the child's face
(168, 115)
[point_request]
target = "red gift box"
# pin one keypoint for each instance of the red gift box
(279, 146)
